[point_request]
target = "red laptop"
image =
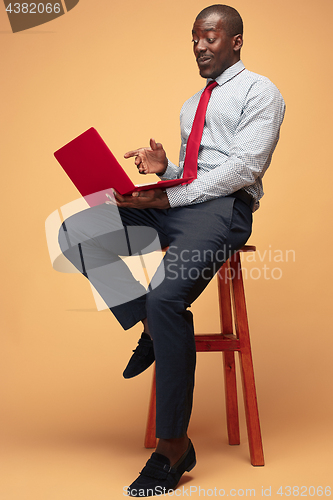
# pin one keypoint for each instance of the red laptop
(94, 170)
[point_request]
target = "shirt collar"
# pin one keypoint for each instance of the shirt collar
(229, 73)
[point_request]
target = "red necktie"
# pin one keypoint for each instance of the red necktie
(194, 139)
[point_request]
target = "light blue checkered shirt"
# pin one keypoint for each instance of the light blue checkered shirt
(243, 120)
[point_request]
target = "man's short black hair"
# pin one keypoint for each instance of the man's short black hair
(232, 19)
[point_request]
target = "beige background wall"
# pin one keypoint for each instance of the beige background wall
(126, 68)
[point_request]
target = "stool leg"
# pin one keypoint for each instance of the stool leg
(249, 389)
(150, 438)
(230, 385)
(223, 282)
(251, 410)
(231, 397)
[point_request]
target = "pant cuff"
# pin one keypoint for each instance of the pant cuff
(130, 313)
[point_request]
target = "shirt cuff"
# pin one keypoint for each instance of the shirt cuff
(177, 196)
(171, 172)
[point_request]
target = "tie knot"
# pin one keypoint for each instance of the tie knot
(211, 85)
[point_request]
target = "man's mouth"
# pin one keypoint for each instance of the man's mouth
(202, 60)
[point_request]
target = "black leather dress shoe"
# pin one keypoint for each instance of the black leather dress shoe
(143, 356)
(158, 478)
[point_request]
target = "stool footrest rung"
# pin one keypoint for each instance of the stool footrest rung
(216, 342)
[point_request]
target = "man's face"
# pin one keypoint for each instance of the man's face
(214, 50)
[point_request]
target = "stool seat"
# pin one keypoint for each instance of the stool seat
(234, 336)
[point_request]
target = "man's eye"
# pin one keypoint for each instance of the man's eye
(195, 42)
(211, 40)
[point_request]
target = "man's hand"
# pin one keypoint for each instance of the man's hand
(151, 160)
(152, 198)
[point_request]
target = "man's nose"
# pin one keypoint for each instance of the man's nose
(201, 46)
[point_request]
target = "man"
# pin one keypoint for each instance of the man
(211, 216)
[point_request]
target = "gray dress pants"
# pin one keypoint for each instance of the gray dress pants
(200, 238)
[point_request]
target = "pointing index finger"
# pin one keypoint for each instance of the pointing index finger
(130, 154)
(135, 152)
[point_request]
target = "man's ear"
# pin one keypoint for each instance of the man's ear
(238, 42)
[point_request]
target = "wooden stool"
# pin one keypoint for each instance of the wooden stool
(234, 336)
